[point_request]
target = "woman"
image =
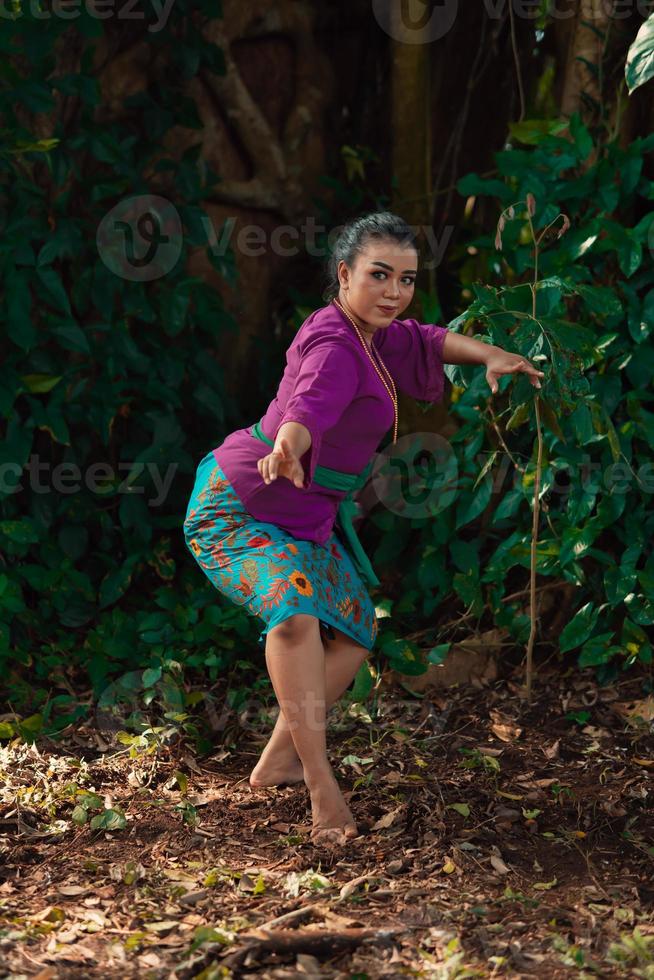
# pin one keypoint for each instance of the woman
(261, 521)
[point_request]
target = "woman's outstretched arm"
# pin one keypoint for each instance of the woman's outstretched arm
(459, 349)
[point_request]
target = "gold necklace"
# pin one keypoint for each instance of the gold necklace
(391, 391)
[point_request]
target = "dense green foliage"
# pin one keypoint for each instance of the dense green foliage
(591, 331)
(96, 368)
(96, 586)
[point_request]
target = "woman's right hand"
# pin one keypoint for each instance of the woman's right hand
(281, 462)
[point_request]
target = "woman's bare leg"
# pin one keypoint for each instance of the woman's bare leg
(279, 762)
(295, 658)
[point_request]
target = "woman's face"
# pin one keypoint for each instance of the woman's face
(380, 285)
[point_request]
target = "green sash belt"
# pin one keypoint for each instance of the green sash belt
(347, 508)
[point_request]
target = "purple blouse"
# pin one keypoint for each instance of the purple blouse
(331, 387)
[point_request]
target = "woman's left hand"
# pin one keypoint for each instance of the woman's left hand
(502, 362)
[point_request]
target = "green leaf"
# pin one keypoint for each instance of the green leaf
(115, 583)
(19, 309)
(485, 468)
(469, 509)
(54, 288)
(580, 717)
(438, 654)
(641, 609)
(461, 808)
(89, 800)
(33, 146)
(572, 336)
(639, 66)
(521, 414)
(473, 184)
(508, 505)
(579, 628)
(110, 819)
(151, 676)
(534, 131)
(467, 587)
(597, 650)
(79, 816)
(630, 253)
(583, 139)
(362, 685)
(39, 384)
(71, 337)
(601, 300)
(582, 423)
(619, 583)
(550, 419)
(22, 532)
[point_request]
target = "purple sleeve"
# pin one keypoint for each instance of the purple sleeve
(413, 353)
(326, 383)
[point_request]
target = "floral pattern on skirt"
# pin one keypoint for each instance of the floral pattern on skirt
(272, 574)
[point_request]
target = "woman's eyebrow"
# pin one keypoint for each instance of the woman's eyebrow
(385, 265)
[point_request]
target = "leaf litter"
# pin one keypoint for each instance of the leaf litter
(511, 840)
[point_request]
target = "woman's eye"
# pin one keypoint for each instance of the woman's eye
(408, 280)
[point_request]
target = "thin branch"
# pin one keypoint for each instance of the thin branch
(516, 58)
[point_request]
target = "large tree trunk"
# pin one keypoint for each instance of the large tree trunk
(410, 122)
(264, 135)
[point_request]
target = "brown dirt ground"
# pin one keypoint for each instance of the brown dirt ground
(497, 839)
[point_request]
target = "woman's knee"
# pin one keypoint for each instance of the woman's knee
(296, 628)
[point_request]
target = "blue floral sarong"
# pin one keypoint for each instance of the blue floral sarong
(263, 568)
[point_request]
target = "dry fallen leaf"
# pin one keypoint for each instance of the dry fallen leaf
(388, 818)
(74, 889)
(499, 864)
(164, 926)
(530, 783)
(351, 886)
(545, 885)
(506, 732)
(633, 710)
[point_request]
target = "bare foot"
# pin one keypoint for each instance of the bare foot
(332, 818)
(276, 770)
